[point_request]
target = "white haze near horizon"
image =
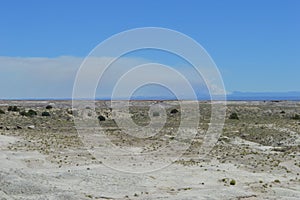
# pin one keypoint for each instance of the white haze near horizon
(53, 78)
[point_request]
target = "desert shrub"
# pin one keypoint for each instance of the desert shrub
(49, 107)
(13, 109)
(234, 116)
(174, 111)
(2, 112)
(296, 117)
(101, 118)
(46, 114)
(23, 113)
(232, 182)
(30, 113)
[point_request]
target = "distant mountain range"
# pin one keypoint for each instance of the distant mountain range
(293, 96)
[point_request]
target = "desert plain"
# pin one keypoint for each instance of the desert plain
(42, 155)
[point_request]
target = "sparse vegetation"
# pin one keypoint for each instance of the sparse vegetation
(29, 113)
(46, 114)
(174, 111)
(2, 112)
(13, 109)
(155, 114)
(296, 117)
(234, 116)
(101, 118)
(245, 143)
(49, 107)
(232, 182)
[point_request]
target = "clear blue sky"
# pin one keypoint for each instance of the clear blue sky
(255, 43)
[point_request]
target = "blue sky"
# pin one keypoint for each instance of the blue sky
(255, 44)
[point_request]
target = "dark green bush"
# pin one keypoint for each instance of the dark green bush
(46, 114)
(234, 116)
(2, 112)
(49, 107)
(30, 113)
(174, 111)
(232, 182)
(101, 118)
(13, 109)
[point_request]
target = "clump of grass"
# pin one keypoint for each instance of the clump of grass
(2, 111)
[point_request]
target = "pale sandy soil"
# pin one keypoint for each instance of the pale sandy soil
(260, 152)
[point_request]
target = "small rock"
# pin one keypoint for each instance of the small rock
(31, 127)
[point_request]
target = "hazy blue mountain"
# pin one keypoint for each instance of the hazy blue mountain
(293, 95)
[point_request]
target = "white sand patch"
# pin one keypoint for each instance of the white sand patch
(7, 140)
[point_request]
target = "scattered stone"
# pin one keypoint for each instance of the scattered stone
(31, 127)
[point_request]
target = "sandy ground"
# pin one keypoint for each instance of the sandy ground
(30, 173)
